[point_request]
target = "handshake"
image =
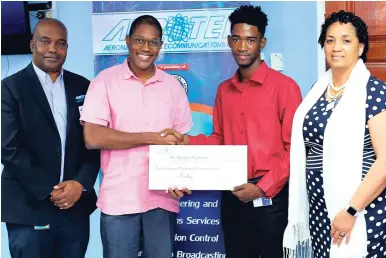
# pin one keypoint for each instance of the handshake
(171, 137)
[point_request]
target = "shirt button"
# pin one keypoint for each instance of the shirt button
(242, 113)
(58, 152)
(242, 132)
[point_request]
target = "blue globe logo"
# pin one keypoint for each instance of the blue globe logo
(177, 28)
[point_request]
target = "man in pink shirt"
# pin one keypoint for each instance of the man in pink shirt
(125, 109)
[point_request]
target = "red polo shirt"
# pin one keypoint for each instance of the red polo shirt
(257, 113)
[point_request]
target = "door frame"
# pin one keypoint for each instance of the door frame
(320, 17)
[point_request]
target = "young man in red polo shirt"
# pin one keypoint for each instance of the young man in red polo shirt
(255, 107)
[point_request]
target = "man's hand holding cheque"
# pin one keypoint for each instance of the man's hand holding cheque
(184, 140)
(199, 167)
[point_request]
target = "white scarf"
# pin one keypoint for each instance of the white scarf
(342, 166)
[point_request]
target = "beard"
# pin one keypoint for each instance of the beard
(245, 65)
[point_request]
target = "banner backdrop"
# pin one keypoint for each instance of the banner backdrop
(196, 52)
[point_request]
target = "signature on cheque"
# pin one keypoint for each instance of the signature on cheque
(185, 176)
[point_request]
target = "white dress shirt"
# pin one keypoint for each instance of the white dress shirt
(56, 97)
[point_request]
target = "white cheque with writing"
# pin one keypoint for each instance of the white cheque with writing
(197, 167)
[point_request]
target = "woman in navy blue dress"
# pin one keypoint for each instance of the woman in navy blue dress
(344, 38)
(375, 212)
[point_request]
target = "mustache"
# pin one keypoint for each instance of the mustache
(145, 54)
(52, 56)
(243, 54)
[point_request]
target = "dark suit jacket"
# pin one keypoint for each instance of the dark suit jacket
(31, 150)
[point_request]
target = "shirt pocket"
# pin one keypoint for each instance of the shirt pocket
(162, 115)
(126, 111)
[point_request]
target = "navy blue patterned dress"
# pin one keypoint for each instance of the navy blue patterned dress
(375, 214)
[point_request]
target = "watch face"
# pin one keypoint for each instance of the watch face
(352, 211)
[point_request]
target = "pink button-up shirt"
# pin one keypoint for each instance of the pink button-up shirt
(117, 99)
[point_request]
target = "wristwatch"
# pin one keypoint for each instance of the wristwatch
(352, 211)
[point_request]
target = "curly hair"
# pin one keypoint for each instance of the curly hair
(251, 15)
(347, 17)
(145, 19)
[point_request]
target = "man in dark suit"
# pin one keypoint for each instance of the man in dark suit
(47, 192)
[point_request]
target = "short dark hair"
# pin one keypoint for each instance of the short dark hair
(251, 15)
(145, 19)
(347, 17)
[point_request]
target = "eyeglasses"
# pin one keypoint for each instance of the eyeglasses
(152, 43)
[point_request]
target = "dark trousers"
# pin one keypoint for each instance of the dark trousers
(67, 237)
(121, 235)
(251, 232)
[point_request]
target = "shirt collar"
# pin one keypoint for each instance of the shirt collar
(259, 75)
(127, 73)
(43, 76)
